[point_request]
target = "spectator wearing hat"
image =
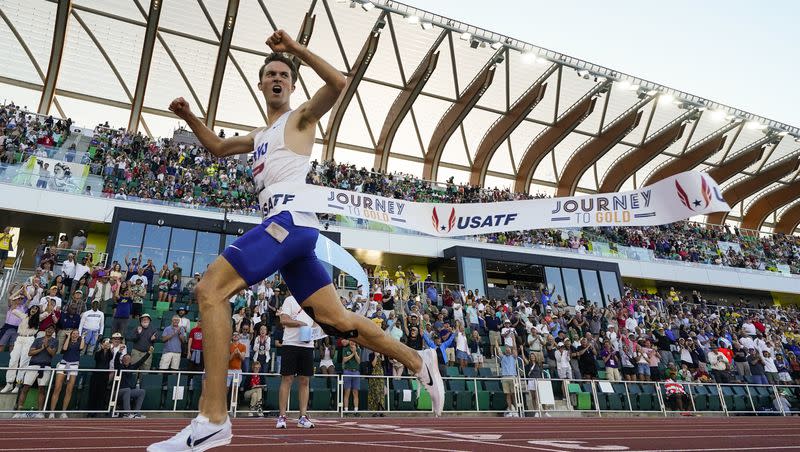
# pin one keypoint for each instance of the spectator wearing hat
(563, 366)
(508, 334)
(127, 384)
(173, 336)
(143, 338)
(117, 347)
(183, 321)
(103, 290)
(138, 285)
(68, 269)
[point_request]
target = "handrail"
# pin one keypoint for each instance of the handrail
(520, 396)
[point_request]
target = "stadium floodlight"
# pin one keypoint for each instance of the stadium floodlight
(474, 43)
(367, 5)
(666, 98)
(783, 133)
(426, 25)
(718, 115)
(528, 57)
(466, 36)
(497, 45)
(755, 125)
(583, 73)
(652, 92)
(624, 85)
(412, 19)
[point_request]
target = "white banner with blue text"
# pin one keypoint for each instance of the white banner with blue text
(675, 198)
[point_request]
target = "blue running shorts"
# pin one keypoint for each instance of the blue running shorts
(258, 254)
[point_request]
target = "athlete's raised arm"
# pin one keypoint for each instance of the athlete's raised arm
(219, 147)
(311, 111)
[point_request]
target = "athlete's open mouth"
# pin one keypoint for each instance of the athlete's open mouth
(277, 89)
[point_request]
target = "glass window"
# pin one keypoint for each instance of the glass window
(572, 285)
(181, 249)
(129, 240)
(156, 243)
(205, 251)
(592, 287)
(610, 285)
(554, 283)
(472, 269)
(230, 238)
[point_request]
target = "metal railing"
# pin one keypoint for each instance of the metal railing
(474, 394)
(9, 276)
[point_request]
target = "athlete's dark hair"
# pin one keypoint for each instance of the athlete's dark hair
(283, 59)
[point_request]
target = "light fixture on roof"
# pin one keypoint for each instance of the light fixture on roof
(412, 19)
(583, 73)
(783, 133)
(666, 98)
(718, 115)
(497, 45)
(652, 92)
(367, 5)
(474, 43)
(466, 36)
(528, 57)
(426, 25)
(755, 125)
(600, 79)
(341, 1)
(624, 85)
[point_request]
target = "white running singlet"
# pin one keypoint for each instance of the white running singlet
(274, 162)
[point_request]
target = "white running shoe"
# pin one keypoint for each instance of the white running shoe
(138, 416)
(281, 422)
(304, 422)
(15, 390)
(198, 436)
(7, 388)
(39, 415)
(64, 416)
(52, 416)
(19, 416)
(431, 379)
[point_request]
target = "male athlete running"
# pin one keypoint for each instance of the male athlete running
(284, 242)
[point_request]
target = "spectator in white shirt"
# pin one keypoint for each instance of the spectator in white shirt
(139, 275)
(508, 334)
(91, 327)
(68, 270)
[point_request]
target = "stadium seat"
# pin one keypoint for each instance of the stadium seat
(452, 371)
(470, 372)
(485, 372)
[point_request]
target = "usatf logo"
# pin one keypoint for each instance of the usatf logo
(450, 221)
(695, 204)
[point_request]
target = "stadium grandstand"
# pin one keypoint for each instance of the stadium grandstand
(111, 212)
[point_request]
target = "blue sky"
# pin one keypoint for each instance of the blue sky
(739, 53)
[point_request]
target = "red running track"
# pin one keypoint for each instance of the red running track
(445, 434)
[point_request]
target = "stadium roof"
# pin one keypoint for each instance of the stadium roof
(427, 95)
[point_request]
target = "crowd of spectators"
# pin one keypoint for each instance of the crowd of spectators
(134, 166)
(530, 333)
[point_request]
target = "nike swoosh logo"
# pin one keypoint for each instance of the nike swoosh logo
(201, 440)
